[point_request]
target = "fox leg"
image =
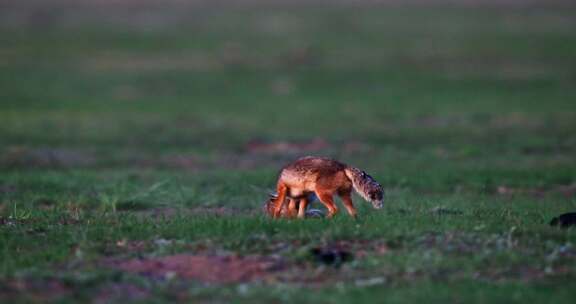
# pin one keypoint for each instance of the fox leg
(281, 189)
(328, 201)
(347, 200)
(302, 208)
(292, 208)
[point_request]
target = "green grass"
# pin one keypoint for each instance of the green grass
(104, 127)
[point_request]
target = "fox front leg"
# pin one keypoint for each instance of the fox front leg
(292, 212)
(302, 208)
(281, 189)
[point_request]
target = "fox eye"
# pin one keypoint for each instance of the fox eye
(375, 196)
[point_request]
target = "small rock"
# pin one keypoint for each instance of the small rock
(331, 256)
(314, 213)
(565, 220)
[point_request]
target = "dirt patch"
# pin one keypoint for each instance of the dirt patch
(318, 265)
(205, 268)
(114, 293)
(42, 290)
(32, 290)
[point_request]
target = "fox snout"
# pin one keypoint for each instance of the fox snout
(377, 198)
(268, 207)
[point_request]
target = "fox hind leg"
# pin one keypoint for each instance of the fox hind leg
(347, 201)
(328, 201)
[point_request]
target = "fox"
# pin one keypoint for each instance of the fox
(324, 177)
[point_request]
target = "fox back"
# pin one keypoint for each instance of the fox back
(308, 174)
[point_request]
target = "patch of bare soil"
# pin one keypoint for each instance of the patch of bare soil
(205, 268)
(42, 290)
(33, 290)
(113, 293)
(320, 264)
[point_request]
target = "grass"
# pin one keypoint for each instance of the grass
(131, 139)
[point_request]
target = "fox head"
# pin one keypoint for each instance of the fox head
(366, 186)
(376, 196)
(270, 204)
(371, 190)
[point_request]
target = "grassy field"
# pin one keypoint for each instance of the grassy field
(153, 135)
